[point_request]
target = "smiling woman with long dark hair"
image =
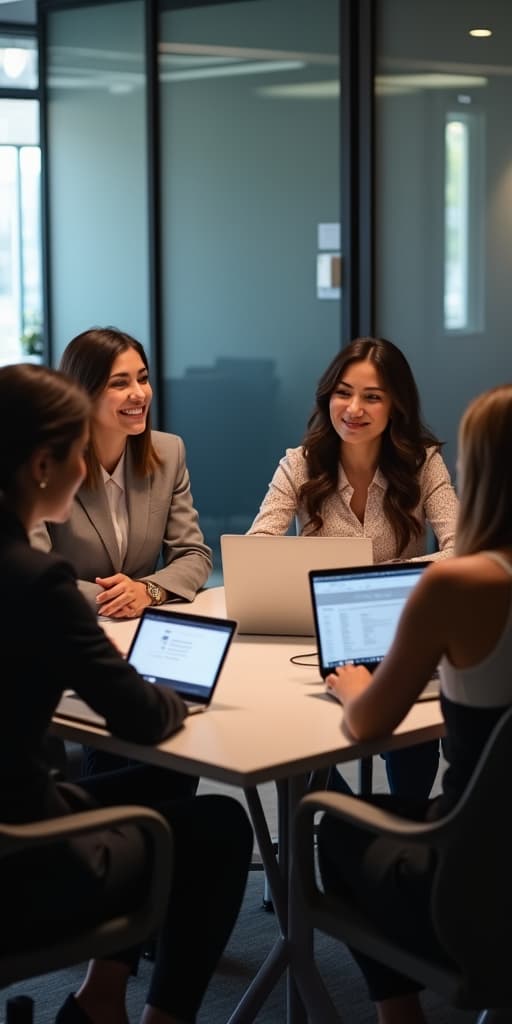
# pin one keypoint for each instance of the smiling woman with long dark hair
(133, 536)
(368, 465)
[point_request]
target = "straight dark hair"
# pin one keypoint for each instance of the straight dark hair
(404, 441)
(88, 359)
(42, 408)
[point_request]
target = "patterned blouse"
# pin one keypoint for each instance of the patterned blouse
(438, 506)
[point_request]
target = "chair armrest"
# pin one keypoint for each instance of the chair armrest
(119, 930)
(358, 812)
(69, 826)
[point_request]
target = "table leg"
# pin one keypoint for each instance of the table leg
(278, 959)
(274, 868)
(298, 931)
(278, 873)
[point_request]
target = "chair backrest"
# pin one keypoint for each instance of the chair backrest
(472, 892)
(85, 941)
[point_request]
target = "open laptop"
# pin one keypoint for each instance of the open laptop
(356, 613)
(175, 649)
(266, 578)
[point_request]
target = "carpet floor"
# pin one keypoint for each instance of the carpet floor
(249, 943)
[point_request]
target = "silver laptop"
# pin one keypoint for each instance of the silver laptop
(175, 649)
(356, 613)
(266, 578)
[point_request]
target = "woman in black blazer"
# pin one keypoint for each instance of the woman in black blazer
(54, 642)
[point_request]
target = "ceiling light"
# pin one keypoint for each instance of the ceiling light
(480, 33)
(395, 85)
(121, 88)
(327, 90)
(14, 62)
(224, 70)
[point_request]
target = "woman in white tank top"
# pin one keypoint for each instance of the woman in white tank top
(459, 618)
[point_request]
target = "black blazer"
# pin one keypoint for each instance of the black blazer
(51, 641)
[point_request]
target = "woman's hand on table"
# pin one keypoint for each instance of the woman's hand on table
(122, 597)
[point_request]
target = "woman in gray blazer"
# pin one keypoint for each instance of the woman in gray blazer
(133, 537)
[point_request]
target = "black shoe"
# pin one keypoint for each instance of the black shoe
(71, 1013)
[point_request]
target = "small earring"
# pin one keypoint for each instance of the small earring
(43, 484)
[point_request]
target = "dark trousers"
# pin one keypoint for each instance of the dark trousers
(212, 850)
(410, 772)
(390, 883)
(175, 784)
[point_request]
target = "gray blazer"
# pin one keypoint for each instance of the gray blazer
(163, 529)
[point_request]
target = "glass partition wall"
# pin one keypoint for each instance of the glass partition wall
(249, 107)
(443, 178)
(195, 174)
(247, 209)
(97, 170)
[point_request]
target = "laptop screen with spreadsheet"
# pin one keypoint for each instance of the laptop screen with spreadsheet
(357, 610)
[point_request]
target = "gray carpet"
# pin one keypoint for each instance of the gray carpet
(247, 948)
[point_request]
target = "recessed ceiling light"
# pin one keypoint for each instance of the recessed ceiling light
(480, 33)
(14, 61)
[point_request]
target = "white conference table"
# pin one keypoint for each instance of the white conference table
(270, 720)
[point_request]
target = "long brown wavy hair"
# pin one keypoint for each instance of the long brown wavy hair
(88, 359)
(404, 441)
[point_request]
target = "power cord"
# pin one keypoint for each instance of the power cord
(299, 659)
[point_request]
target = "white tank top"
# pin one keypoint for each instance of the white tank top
(489, 683)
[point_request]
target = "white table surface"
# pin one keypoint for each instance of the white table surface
(269, 719)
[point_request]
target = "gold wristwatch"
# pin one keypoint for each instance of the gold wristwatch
(157, 594)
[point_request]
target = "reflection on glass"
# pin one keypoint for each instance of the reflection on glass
(456, 224)
(249, 97)
(18, 62)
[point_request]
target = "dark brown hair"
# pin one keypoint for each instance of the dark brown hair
(404, 441)
(42, 408)
(485, 444)
(88, 359)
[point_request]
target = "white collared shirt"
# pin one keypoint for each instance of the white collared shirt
(116, 496)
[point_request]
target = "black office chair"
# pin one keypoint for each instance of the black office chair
(89, 941)
(471, 903)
